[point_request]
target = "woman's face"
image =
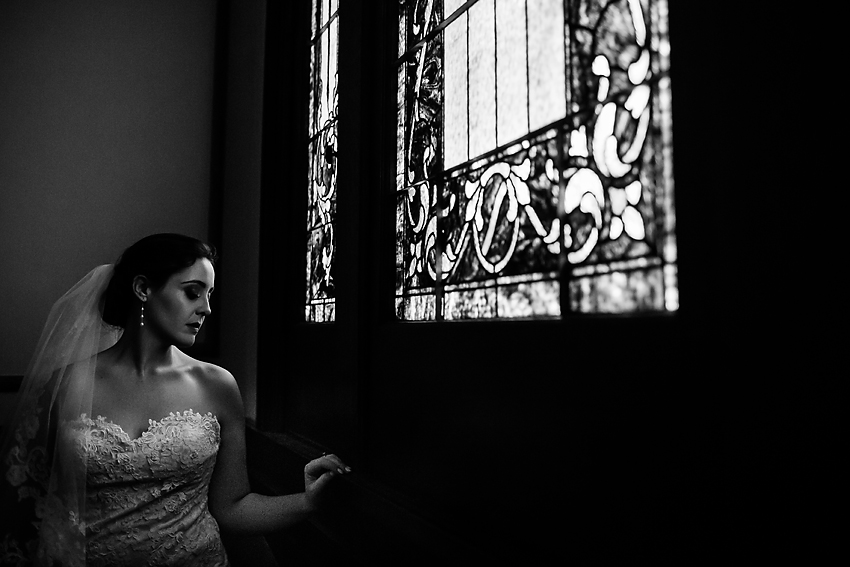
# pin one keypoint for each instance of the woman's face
(177, 309)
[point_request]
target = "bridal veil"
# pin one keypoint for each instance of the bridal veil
(43, 465)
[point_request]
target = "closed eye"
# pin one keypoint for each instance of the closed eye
(193, 293)
(196, 289)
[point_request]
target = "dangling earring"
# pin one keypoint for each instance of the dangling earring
(142, 320)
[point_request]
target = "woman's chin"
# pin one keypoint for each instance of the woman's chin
(184, 341)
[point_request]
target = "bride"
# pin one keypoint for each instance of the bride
(126, 450)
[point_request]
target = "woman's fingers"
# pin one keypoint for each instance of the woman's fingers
(319, 472)
(336, 463)
(330, 463)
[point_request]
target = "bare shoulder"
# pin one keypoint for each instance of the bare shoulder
(216, 375)
(219, 386)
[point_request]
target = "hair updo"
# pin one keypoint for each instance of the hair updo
(157, 257)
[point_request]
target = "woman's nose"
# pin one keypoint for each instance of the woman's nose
(205, 307)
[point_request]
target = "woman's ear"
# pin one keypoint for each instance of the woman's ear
(141, 288)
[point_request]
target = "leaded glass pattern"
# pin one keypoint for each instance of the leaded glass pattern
(322, 182)
(533, 137)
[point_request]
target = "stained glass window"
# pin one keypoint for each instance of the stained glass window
(533, 136)
(321, 190)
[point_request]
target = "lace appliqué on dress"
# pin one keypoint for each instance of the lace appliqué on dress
(146, 501)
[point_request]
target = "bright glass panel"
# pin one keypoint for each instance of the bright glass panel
(511, 71)
(534, 150)
(546, 63)
(322, 150)
(481, 68)
(456, 106)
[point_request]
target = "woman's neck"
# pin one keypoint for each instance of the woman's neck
(143, 352)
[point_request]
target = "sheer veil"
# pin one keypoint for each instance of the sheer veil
(41, 459)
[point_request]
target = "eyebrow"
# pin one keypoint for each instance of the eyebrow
(199, 282)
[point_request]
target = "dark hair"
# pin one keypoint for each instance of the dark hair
(157, 257)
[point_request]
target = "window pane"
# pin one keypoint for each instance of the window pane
(546, 67)
(322, 150)
(481, 69)
(511, 71)
(456, 105)
(533, 135)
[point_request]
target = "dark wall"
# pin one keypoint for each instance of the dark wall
(241, 164)
(106, 113)
(106, 123)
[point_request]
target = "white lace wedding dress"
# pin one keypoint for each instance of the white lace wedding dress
(146, 498)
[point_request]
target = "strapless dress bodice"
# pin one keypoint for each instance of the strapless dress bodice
(146, 498)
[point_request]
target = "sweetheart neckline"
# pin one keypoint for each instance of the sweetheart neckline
(151, 422)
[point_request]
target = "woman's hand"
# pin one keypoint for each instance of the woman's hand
(318, 473)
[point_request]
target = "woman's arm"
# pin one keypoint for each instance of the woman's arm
(231, 502)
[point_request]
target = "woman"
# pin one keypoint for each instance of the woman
(131, 451)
